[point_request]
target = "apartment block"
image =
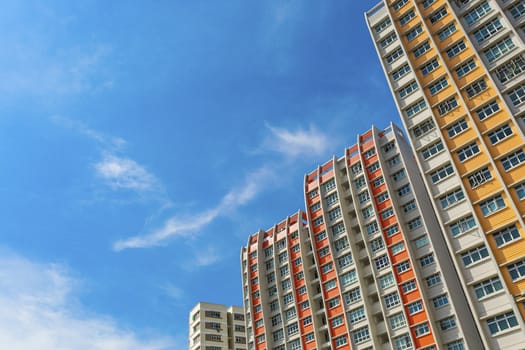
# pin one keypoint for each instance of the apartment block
(456, 71)
(217, 327)
(364, 267)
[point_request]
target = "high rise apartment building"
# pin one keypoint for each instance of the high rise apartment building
(365, 267)
(216, 327)
(456, 70)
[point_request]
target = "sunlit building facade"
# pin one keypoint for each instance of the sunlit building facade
(217, 327)
(456, 70)
(364, 267)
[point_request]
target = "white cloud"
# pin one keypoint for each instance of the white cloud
(39, 310)
(125, 173)
(188, 225)
(299, 142)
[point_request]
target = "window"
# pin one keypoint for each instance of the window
(517, 270)
(446, 32)
(500, 134)
(330, 285)
(421, 49)
(510, 69)
(298, 261)
(377, 244)
(382, 197)
(446, 106)
(315, 207)
(487, 110)
(324, 251)
(356, 315)
(327, 267)
(387, 213)
(492, 205)
(337, 321)
(318, 221)
(360, 182)
(392, 300)
(456, 49)
(360, 335)
(502, 322)
(276, 320)
(372, 228)
(278, 335)
(356, 168)
(392, 230)
(413, 224)
(399, 4)
(386, 281)
(479, 177)
(421, 241)
(401, 72)
(397, 248)
(421, 329)
(429, 67)
(294, 344)
(438, 86)
(341, 244)
(402, 342)
(405, 91)
(290, 313)
(488, 30)
(427, 260)
(283, 271)
(299, 275)
(473, 255)
(457, 128)
(292, 329)
(270, 277)
(260, 339)
(335, 213)
(513, 160)
(331, 199)
(411, 35)
(427, 3)
(406, 18)
(382, 262)
(403, 191)
(476, 87)
(465, 68)
(441, 173)
(517, 95)
(432, 150)
(408, 286)
(381, 26)
(499, 49)
(288, 298)
(274, 305)
(378, 182)
(414, 307)
(440, 301)
(451, 198)
(340, 341)
(213, 337)
(363, 196)
(313, 193)
(337, 229)
(394, 55)
(403, 266)
(462, 225)
(520, 191)
(296, 248)
(352, 296)
(393, 161)
(424, 127)
(333, 302)
(281, 244)
(467, 151)
(320, 236)
(456, 345)
(305, 305)
(397, 321)
(436, 16)
(268, 252)
(476, 13)
(433, 280)
(399, 175)
(348, 278)
(517, 10)
(258, 323)
(487, 287)
(388, 40)
(367, 212)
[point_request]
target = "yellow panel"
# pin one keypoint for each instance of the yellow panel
(492, 121)
(503, 146)
(512, 176)
(442, 95)
(453, 38)
(499, 219)
(512, 251)
(431, 8)
(471, 164)
(423, 58)
(479, 99)
(461, 139)
(514, 287)
(424, 80)
(451, 116)
(461, 57)
(442, 23)
(484, 190)
(474, 75)
(414, 42)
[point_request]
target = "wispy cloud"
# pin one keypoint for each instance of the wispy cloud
(189, 225)
(39, 309)
(298, 142)
(207, 257)
(125, 173)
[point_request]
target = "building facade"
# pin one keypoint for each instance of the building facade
(365, 267)
(456, 70)
(216, 327)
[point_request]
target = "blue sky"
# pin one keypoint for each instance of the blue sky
(142, 142)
